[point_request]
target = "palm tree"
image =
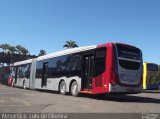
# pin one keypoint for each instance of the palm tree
(9, 50)
(5, 47)
(70, 44)
(1, 46)
(24, 51)
(19, 48)
(12, 49)
(42, 52)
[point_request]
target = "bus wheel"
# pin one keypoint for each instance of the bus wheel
(62, 88)
(74, 89)
(24, 85)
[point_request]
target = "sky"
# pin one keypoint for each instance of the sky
(48, 24)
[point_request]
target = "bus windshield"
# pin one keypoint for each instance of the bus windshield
(152, 67)
(129, 57)
(127, 52)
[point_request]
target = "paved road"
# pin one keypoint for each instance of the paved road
(21, 101)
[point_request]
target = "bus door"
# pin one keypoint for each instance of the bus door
(88, 72)
(44, 74)
(99, 69)
(18, 77)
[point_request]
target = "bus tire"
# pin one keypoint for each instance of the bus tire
(74, 89)
(62, 88)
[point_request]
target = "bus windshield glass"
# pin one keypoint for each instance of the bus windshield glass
(128, 52)
(129, 57)
(152, 67)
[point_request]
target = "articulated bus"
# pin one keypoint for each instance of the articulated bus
(101, 69)
(151, 78)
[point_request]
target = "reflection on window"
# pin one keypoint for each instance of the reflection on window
(75, 64)
(59, 66)
(23, 71)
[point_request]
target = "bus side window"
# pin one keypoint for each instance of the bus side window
(39, 69)
(75, 63)
(99, 61)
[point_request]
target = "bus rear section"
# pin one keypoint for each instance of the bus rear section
(127, 71)
(113, 68)
(151, 80)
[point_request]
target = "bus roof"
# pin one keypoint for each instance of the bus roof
(149, 63)
(67, 51)
(22, 62)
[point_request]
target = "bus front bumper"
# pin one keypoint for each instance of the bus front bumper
(124, 89)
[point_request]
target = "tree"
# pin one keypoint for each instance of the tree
(12, 49)
(2, 47)
(22, 50)
(19, 48)
(42, 52)
(70, 44)
(5, 47)
(8, 50)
